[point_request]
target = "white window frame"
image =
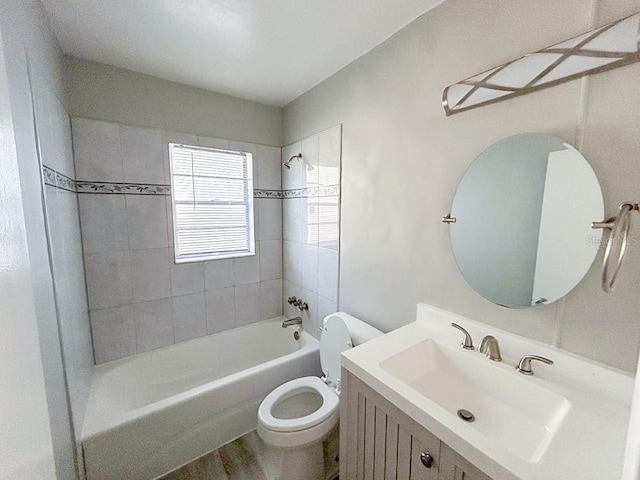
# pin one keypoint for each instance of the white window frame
(190, 258)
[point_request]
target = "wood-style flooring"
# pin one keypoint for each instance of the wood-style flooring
(248, 458)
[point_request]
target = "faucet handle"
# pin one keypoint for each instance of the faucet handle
(524, 366)
(468, 341)
(302, 305)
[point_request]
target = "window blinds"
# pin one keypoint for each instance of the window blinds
(212, 197)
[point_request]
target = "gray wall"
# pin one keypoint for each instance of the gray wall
(402, 161)
(99, 91)
(53, 127)
(140, 300)
(26, 34)
(25, 439)
(138, 297)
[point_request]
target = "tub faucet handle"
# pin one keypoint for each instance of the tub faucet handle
(298, 302)
(302, 305)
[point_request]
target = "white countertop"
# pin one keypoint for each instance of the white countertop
(589, 442)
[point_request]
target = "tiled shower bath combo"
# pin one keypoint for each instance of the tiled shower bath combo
(139, 299)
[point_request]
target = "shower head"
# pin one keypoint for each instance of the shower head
(294, 157)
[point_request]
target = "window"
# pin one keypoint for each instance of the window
(212, 199)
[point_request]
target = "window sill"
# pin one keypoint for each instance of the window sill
(208, 258)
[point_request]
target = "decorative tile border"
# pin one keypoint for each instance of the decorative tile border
(65, 183)
(261, 193)
(58, 180)
(320, 191)
(123, 188)
(49, 176)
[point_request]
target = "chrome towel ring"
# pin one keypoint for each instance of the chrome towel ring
(619, 233)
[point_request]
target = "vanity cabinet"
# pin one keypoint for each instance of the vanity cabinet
(379, 442)
(454, 466)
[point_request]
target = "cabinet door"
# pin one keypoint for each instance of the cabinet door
(402, 452)
(425, 452)
(455, 467)
(380, 442)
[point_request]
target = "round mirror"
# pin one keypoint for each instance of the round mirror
(523, 210)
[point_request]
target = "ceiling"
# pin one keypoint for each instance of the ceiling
(266, 50)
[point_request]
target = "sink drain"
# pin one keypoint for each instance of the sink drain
(466, 415)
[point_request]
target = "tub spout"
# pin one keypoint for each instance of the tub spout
(292, 321)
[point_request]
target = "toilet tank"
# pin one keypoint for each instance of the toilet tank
(360, 331)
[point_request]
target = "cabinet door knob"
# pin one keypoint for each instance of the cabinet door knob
(426, 459)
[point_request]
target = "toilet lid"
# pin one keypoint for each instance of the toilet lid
(334, 340)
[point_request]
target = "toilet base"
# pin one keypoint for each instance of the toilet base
(305, 462)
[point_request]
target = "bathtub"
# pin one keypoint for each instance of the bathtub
(153, 412)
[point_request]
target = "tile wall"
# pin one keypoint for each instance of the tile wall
(139, 299)
(71, 335)
(311, 225)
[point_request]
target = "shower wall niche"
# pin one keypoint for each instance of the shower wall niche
(311, 225)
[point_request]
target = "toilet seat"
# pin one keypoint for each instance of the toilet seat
(299, 431)
(302, 437)
(329, 406)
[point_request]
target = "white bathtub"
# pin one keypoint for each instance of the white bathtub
(153, 412)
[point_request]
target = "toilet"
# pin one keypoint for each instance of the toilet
(300, 414)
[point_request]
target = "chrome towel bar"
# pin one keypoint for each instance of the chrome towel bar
(619, 228)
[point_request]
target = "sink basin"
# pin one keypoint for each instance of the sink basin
(509, 410)
(568, 420)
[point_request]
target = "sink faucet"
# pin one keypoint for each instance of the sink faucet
(292, 321)
(468, 342)
(524, 366)
(491, 348)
